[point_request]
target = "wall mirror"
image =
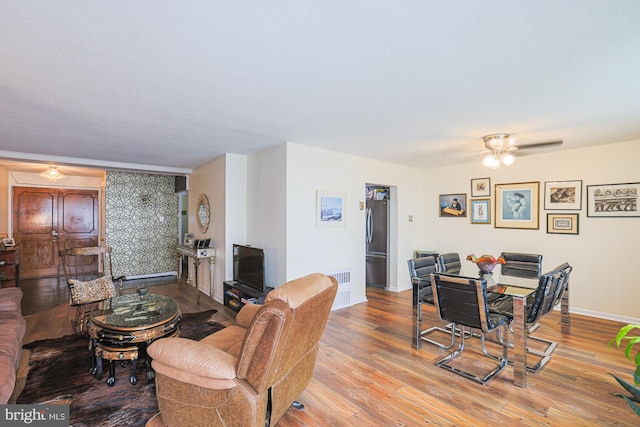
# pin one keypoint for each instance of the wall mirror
(203, 213)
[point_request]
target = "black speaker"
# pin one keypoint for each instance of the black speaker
(181, 183)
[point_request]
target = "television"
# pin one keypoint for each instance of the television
(248, 266)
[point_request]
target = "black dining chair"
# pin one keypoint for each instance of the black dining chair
(449, 263)
(463, 302)
(423, 267)
(516, 264)
(551, 287)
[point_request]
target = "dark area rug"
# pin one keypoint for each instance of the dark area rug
(59, 372)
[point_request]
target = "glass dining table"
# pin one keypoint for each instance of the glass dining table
(519, 289)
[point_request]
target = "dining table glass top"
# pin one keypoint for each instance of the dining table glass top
(496, 282)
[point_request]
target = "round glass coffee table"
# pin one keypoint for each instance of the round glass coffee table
(123, 330)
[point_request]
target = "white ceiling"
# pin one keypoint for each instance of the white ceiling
(175, 84)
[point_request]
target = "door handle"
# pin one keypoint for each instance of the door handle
(369, 226)
(54, 232)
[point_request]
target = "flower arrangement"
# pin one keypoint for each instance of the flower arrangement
(486, 263)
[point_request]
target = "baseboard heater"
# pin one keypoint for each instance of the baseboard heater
(147, 276)
(343, 297)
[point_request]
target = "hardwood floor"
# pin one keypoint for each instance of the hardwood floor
(367, 373)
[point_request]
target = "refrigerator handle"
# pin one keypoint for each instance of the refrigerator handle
(369, 225)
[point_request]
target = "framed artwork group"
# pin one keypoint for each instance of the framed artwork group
(517, 205)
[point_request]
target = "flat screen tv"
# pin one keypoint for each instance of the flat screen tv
(248, 266)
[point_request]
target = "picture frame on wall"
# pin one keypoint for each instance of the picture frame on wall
(188, 239)
(481, 187)
(563, 195)
(330, 209)
(480, 211)
(562, 223)
(613, 200)
(453, 205)
(518, 205)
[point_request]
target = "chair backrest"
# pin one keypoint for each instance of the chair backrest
(422, 266)
(551, 287)
(449, 263)
(86, 263)
(521, 265)
(285, 332)
(462, 300)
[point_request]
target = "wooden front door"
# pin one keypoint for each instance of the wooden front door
(46, 220)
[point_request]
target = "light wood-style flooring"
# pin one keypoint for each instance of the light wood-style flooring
(367, 373)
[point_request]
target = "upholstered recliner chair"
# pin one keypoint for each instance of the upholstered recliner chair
(247, 374)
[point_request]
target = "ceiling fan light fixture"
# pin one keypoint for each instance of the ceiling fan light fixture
(53, 174)
(491, 161)
(507, 159)
(498, 141)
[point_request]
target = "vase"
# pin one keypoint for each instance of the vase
(486, 267)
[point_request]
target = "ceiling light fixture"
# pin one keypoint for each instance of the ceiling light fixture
(499, 145)
(53, 174)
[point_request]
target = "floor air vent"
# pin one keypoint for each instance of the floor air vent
(343, 297)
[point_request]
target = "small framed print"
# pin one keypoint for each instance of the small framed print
(562, 223)
(8, 242)
(453, 205)
(480, 187)
(188, 239)
(481, 211)
(563, 195)
(613, 200)
(330, 209)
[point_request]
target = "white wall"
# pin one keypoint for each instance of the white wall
(311, 248)
(280, 210)
(235, 215)
(603, 282)
(266, 210)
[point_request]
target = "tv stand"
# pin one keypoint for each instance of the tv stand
(236, 295)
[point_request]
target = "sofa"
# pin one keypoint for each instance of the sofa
(250, 373)
(12, 330)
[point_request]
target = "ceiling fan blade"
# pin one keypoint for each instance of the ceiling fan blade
(540, 144)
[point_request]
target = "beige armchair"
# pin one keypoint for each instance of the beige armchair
(247, 374)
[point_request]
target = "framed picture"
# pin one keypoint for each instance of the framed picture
(481, 187)
(563, 195)
(8, 242)
(188, 239)
(454, 205)
(330, 209)
(613, 200)
(518, 205)
(562, 223)
(480, 211)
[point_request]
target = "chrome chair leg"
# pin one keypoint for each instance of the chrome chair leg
(448, 329)
(436, 343)
(544, 355)
(443, 363)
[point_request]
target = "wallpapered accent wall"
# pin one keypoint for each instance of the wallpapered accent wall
(141, 223)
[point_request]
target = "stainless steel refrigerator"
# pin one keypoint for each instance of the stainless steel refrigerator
(377, 226)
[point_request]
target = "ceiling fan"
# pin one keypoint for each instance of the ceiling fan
(502, 145)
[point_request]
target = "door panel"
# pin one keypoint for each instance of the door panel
(79, 218)
(49, 219)
(35, 213)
